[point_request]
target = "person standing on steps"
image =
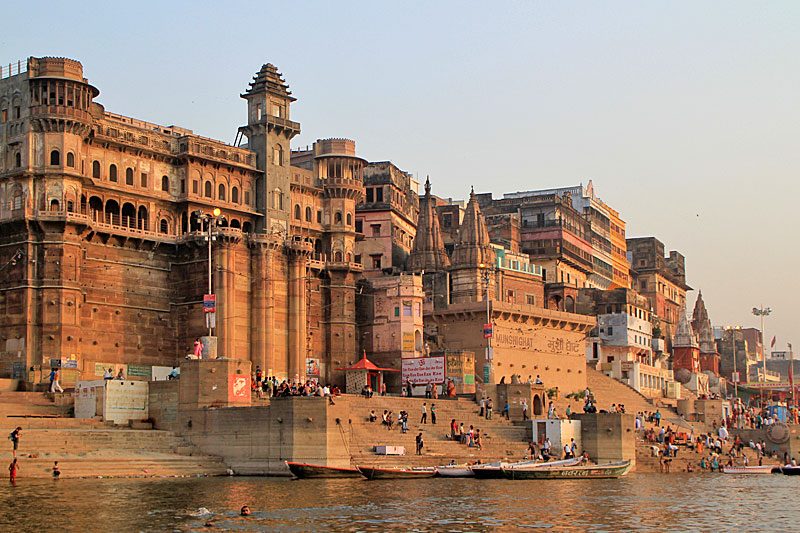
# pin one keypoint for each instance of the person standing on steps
(420, 444)
(433, 413)
(14, 438)
(54, 386)
(524, 410)
(489, 409)
(424, 419)
(56, 470)
(428, 390)
(658, 418)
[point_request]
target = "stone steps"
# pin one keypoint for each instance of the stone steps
(72, 467)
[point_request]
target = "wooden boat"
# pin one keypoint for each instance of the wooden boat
(373, 472)
(303, 471)
(494, 470)
(455, 471)
(766, 469)
(607, 471)
(790, 470)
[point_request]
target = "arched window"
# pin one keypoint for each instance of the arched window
(163, 226)
(221, 195)
(208, 190)
(142, 220)
(247, 227)
(18, 159)
(70, 159)
(277, 199)
(308, 214)
(96, 169)
(297, 211)
(337, 257)
(54, 205)
(165, 183)
(277, 155)
(236, 224)
(349, 219)
(55, 157)
(112, 173)
(337, 218)
(129, 176)
(235, 195)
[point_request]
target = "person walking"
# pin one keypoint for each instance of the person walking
(433, 413)
(14, 437)
(54, 386)
(420, 443)
(424, 419)
(524, 410)
(489, 408)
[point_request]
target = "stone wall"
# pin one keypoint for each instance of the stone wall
(607, 437)
(163, 404)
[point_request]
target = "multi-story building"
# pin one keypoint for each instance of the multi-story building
(387, 218)
(104, 224)
(622, 344)
(662, 280)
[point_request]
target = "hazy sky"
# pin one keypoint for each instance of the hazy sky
(684, 114)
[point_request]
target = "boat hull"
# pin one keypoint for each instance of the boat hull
(790, 470)
(455, 471)
(394, 473)
(748, 469)
(306, 471)
(609, 471)
(494, 470)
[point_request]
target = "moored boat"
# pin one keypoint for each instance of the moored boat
(606, 471)
(765, 469)
(372, 472)
(789, 470)
(494, 470)
(303, 471)
(455, 471)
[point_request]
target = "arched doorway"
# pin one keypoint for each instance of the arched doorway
(537, 405)
(569, 304)
(128, 215)
(112, 212)
(142, 221)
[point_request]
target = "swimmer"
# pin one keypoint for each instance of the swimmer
(245, 511)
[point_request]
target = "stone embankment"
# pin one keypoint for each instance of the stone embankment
(91, 448)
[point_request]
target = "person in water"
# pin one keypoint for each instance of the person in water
(245, 511)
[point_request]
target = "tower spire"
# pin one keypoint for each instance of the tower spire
(428, 252)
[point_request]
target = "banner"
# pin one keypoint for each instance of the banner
(140, 371)
(424, 370)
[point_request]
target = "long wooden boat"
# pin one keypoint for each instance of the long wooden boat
(303, 471)
(373, 472)
(766, 469)
(607, 471)
(494, 470)
(455, 471)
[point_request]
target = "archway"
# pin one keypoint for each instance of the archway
(569, 304)
(537, 405)
(247, 227)
(54, 205)
(128, 215)
(112, 212)
(96, 209)
(142, 221)
(554, 303)
(235, 224)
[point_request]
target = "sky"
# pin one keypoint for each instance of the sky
(683, 113)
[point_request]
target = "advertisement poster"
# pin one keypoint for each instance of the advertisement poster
(312, 367)
(424, 370)
(238, 388)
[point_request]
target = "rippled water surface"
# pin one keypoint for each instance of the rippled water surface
(638, 502)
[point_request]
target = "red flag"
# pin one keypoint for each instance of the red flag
(772, 344)
(791, 381)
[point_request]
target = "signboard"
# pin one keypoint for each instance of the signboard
(626, 366)
(486, 372)
(209, 303)
(469, 379)
(312, 367)
(767, 386)
(408, 341)
(55, 363)
(69, 363)
(488, 331)
(735, 377)
(238, 388)
(140, 371)
(424, 370)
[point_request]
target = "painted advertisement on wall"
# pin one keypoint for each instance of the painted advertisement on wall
(424, 370)
(238, 388)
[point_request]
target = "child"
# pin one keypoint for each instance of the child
(56, 471)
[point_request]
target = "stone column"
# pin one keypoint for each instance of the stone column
(299, 252)
(224, 274)
(262, 303)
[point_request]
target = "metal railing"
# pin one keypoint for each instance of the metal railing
(13, 69)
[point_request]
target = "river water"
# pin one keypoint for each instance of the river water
(637, 502)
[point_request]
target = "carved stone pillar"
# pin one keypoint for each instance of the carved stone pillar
(299, 251)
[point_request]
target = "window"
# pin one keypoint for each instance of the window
(144, 179)
(112, 173)
(376, 260)
(70, 159)
(165, 183)
(247, 197)
(397, 311)
(96, 169)
(221, 190)
(407, 309)
(55, 157)
(16, 111)
(530, 299)
(319, 217)
(18, 159)
(195, 187)
(128, 176)
(163, 226)
(308, 214)
(610, 331)
(208, 192)
(447, 220)
(376, 230)
(235, 195)
(277, 155)
(358, 258)
(297, 211)
(418, 308)
(337, 219)
(5, 115)
(370, 196)
(378, 194)
(349, 219)
(359, 225)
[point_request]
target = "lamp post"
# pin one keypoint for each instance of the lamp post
(489, 355)
(207, 218)
(762, 312)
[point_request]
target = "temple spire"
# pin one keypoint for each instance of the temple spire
(472, 248)
(428, 253)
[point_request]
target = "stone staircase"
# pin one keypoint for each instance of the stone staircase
(92, 447)
(502, 439)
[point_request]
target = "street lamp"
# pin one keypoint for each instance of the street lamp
(762, 312)
(208, 217)
(489, 355)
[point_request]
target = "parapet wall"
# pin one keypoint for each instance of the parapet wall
(608, 437)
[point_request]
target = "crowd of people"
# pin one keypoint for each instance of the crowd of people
(270, 387)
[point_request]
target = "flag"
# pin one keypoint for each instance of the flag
(772, 344)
